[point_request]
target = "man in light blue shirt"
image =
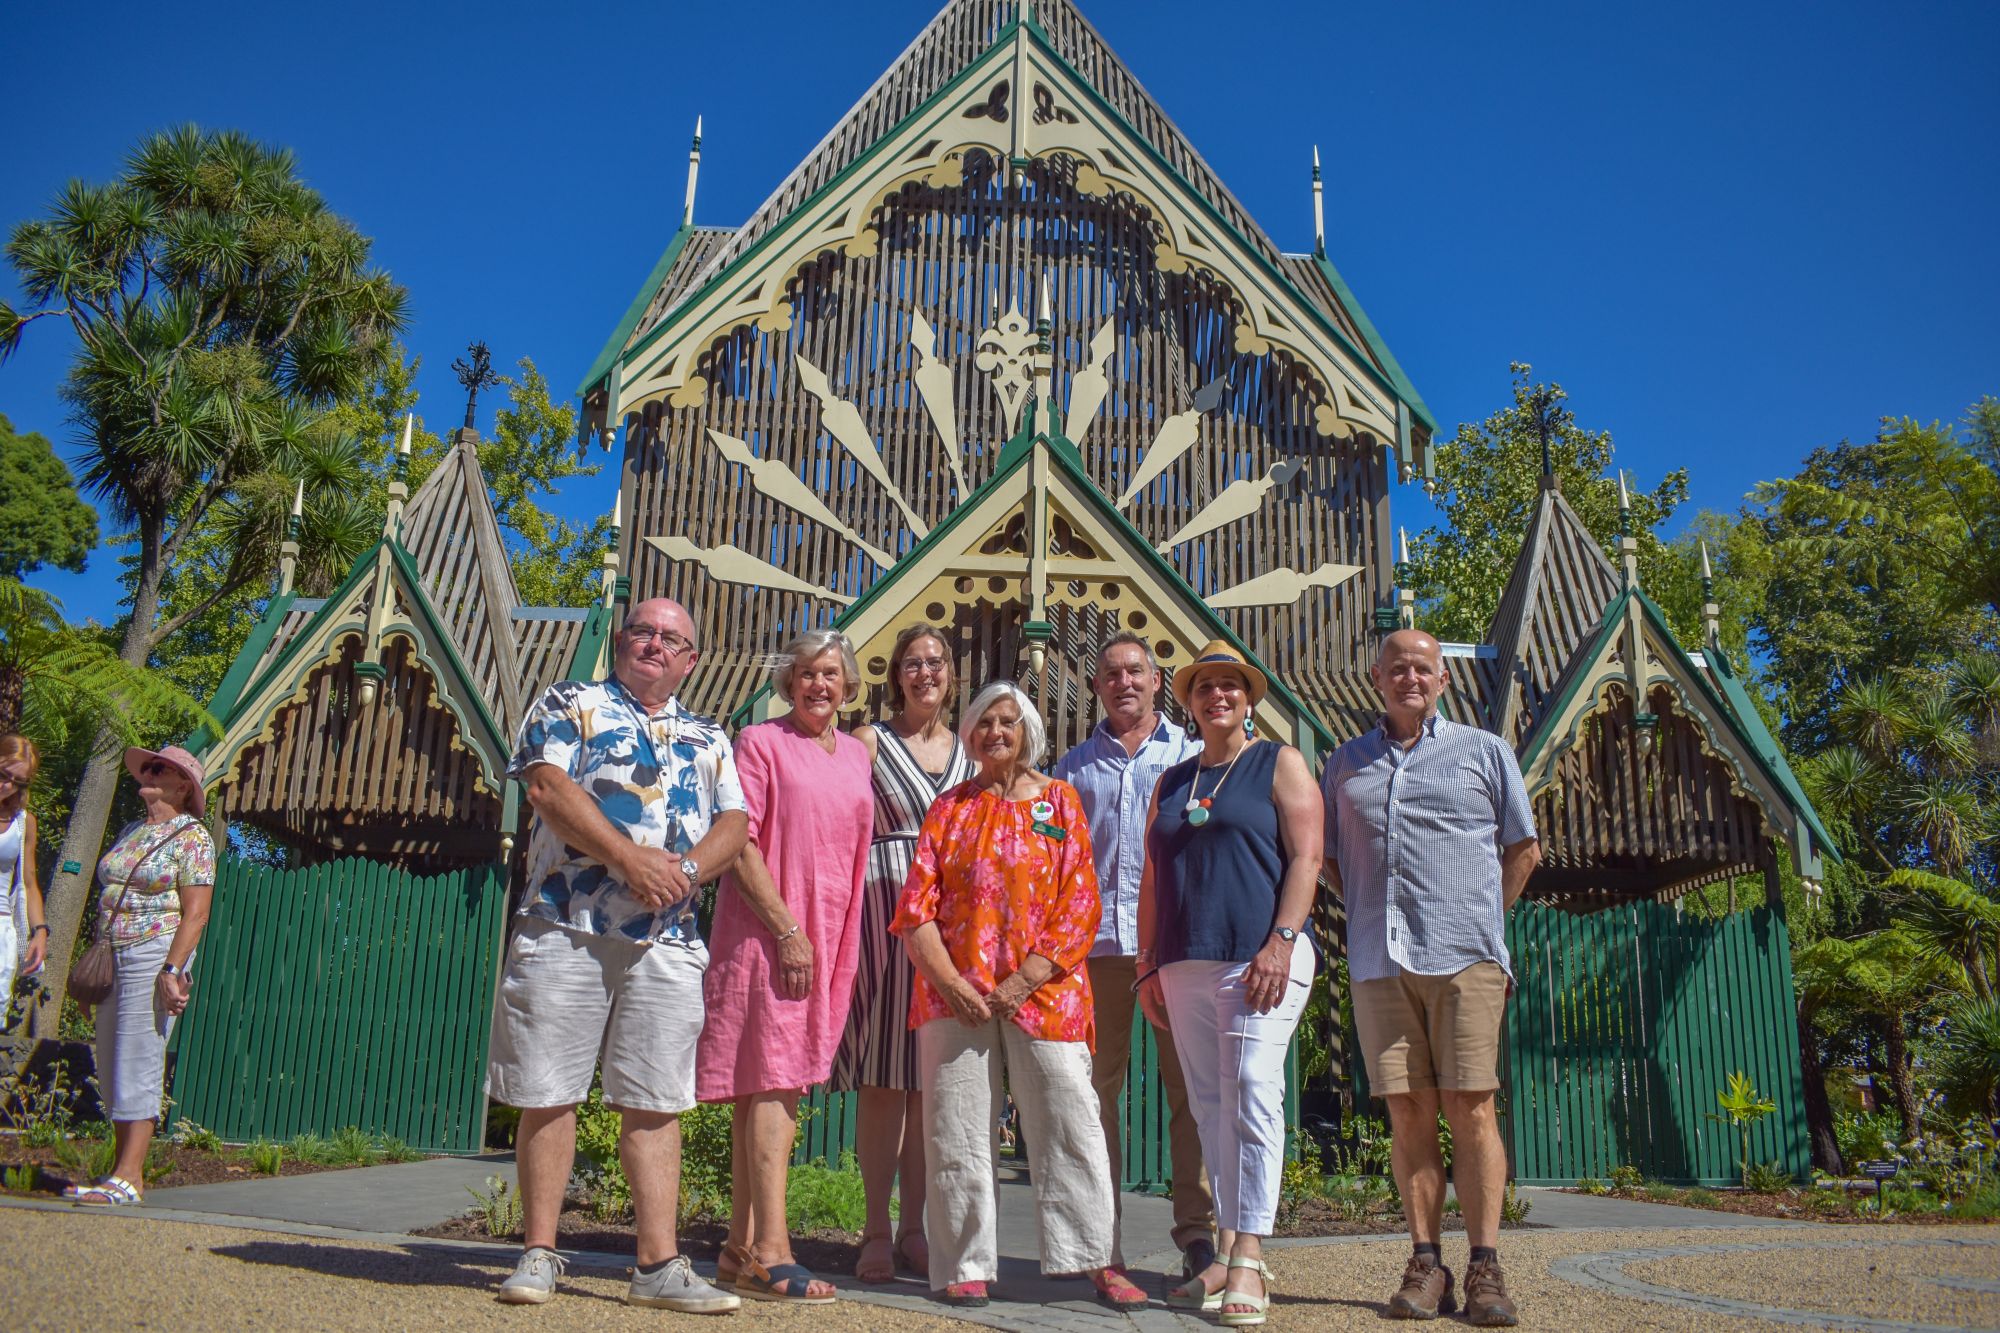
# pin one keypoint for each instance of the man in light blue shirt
(1429, 840)
(1115, 771)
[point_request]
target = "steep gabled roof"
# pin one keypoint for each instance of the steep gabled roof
(686, 255)
(453, 538)
(1552, 603)
(902, 130)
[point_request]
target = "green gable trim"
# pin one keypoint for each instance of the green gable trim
(1394, 383)
(1404, 389)
(615, 344)
(1751, 723)
(1769, 760)
(590, 644)
(415, 584)
(234, 679)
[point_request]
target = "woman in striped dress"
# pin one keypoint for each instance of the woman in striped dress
(916, 756)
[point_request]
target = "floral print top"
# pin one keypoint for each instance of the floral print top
(1004, 879)
(659, 777)
(162, 859)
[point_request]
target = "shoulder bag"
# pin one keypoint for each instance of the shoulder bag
(96, 973)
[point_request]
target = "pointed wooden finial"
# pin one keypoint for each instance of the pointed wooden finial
(1319, 209)
(1707, 573)
(409, 430)
(299, 500)
(694, 170)
(1403, 546)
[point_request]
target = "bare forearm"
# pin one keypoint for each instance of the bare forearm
(571, 815)
(760, 892)
(926, 948)
(725, 840)
(1516, 864)
(1295, 899)
(1037, 970)
(194, 920)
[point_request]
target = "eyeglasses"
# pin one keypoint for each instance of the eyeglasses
(673, 643)
(923, 666)
(153, 768)
(12, 779)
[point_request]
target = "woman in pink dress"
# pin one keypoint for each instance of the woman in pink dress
(784, 944)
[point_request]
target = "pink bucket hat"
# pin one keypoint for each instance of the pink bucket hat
(175, 757)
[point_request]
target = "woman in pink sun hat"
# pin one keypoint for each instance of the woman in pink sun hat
(155, 885)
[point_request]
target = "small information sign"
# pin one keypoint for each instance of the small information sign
(1879, 1172)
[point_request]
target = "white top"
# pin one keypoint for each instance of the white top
(13, 903)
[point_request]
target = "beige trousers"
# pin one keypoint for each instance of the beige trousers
(962, 1071)
(1194, 1209)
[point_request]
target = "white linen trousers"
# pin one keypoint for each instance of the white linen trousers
(1234, 1061)
(961, 1070)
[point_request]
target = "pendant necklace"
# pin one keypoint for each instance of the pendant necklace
(1198, 805)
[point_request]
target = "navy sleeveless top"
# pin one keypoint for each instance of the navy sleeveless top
(1215, 885)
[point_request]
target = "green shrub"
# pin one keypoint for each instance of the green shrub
(1866, 1137)
(705, 1149)
(266, 1157)
(499, 1207)
(1452, 1207)
(1300, 1178)
(389, 1148)
(1982, 1205)
(1657, 1192)
(156, 1166)
(1365, 1151)
(1591, 1185)
(819, 1197)
(20, 1179)
(1701, 1198)
(1766, 1178)
(193, 1137)
(102, 1155)
(1514, 1208)
(43, 1114)
(1356, 1198)
(1627, 1178)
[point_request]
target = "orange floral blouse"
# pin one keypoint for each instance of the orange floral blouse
(1000, 889)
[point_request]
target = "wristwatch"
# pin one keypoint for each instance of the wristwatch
(1285, 933)
(692, 869)
(171, 971)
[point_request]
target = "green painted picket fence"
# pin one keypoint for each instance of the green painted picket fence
(346, 993)
(1626, 1024)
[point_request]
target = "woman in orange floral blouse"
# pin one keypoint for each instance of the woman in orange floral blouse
(999, 912)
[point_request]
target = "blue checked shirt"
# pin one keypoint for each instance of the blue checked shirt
(1417, 835)
(1116, 789)
(660, 778)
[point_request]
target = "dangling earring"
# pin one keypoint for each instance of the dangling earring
(1250, 728)
(1193, 730)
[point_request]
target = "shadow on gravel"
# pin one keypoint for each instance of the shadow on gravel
(415, 1266)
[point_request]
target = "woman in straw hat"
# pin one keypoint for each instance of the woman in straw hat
(1232, 857)
(155, 884)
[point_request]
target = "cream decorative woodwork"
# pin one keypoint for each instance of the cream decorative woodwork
(1177, 434)
(982, 110)
(1281, 586)
(1238, 500)
(1004, 353)
(932, 376)
(774, 479)
(732, 565)
(1088, 386)
(843, 421)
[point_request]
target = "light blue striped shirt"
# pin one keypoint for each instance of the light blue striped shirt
(1116, 789)
(1417, 834)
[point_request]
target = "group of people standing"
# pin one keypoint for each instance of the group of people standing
(923, 916)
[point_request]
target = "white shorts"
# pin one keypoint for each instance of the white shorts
(566, 997)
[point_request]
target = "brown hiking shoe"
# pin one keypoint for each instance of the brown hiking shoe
(1425, 1293)
(1486, 1301)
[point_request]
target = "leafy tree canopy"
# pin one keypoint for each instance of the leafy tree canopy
(41, 520)
(1488, 483)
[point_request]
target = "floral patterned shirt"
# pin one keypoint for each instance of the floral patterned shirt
(1004, 879)
(162, 859)
(660, 778)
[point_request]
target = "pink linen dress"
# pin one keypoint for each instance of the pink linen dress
(812, 815)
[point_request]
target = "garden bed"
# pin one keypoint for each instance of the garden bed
(1903, 1205)
(825, 1250)
(81, 1158)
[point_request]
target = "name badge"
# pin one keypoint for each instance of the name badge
(1051, 831)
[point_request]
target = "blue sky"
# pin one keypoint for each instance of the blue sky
(1733, 232)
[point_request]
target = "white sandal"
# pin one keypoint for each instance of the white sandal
(111, 1192)
(1258, 1304)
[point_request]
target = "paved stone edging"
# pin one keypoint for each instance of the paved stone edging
(1605, 1270)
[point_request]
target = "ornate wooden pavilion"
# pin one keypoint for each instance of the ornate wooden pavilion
(1004, 354)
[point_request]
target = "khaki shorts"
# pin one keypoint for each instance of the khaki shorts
(567, 999)
(1421, 1032)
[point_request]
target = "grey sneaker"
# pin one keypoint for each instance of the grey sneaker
(674, 1286)
(534, 1279)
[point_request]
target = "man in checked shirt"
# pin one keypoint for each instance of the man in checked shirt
(1429, 841)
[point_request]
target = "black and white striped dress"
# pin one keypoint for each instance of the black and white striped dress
(878, 1050)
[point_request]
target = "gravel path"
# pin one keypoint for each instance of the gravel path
(65, 1270)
